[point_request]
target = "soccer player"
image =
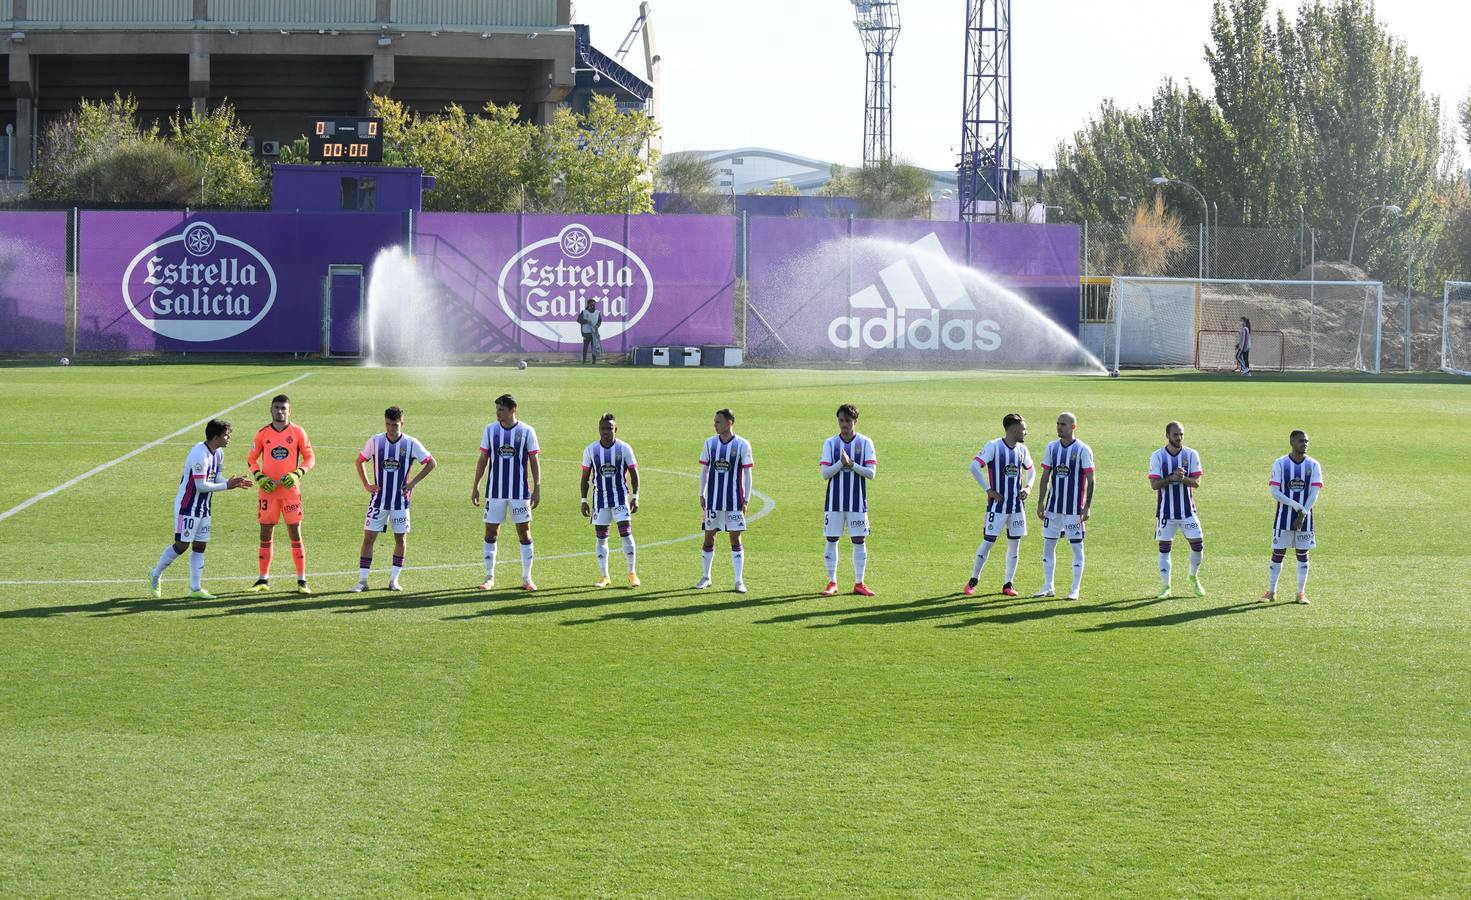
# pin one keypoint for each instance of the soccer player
(278, 459)
(1296, 480)
(197, 487)
(1174, 473)
(614, 495)
(393, 455)
(848, 463)
(725, 491)
(1065, 501)
(509, 450)
(1000, 468)
(1243, 347)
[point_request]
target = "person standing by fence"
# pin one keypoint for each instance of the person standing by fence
(1243, 347)
(590, 320)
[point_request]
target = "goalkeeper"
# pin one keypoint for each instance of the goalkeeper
(278, 459)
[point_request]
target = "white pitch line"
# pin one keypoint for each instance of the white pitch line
(767, 505)
(148, 446)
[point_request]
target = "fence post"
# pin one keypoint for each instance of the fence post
(850, 269)
(1409, 293)
(1378, 327)
(745, 251)
(76, 274)
(1312, 296)
(1082, 290)
(1200, 252)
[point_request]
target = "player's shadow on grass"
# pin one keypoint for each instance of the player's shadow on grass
(1182, 617)
(603, 597)
(661, 612)
(123, 606)
(884, 614)
(1051, 607)
(348, 602)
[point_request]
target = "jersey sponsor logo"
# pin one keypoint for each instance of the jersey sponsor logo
(608, 470)
(916, 322)
(549, 282)
(1297, 484)
(721, 465)
(506, 451)
(1063, 470)
(199, 285)
(1012, 471)
(390, 464)
(279, 453)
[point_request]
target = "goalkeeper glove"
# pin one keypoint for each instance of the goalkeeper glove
(262, 482)
(291, 478)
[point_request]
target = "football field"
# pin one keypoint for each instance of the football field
(666, 741)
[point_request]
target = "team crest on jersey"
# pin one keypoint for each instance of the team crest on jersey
(549, 282)
(279, 453)
(199, 285)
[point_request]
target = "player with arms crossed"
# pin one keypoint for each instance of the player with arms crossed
(393, 455)
(1065, 501)
(609, 468)
(1296, 481)
(999, 469)
(725, 491)
(848, 463)
(278, 459)
(508, 448)
(1174, 473)
(197, 487)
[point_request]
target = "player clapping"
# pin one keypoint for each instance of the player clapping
(1174, 473)
(197, 487)
(848, 463)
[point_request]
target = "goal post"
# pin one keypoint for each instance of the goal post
(1455, 328)
(1193, 323)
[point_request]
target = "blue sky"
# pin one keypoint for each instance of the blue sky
(788, 74)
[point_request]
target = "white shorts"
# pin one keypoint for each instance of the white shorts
(609, 514)
(381, 519)
(1011, 524)
(496, 511)
(1297, 540)
(725, 520)
(1057, 525)
(191, 528)
(1165, 529)
(834, 522)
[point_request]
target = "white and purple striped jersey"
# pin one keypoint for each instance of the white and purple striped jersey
(1295, 479)
(847, 491)
(1008, 470)
(1064, 465)
(393, 462)
(1178, 500)
(608, 473)
(723, 476)
(202, 465)
(510, 449)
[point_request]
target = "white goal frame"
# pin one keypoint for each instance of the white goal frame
(1372, 289)
(1445, 328)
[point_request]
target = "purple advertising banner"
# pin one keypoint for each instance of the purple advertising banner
(32, 281)
(913, 291)
(235, 282)
(516, 283)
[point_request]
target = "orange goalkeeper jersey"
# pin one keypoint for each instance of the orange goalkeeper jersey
(275, 453)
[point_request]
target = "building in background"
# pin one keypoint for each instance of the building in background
(283, 61)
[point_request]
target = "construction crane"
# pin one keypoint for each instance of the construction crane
(877, 22)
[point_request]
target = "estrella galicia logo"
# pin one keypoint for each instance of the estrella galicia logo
(549, 282)
(279, 453)
(199, 285)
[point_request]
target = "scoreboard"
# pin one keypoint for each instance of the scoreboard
(345, 139)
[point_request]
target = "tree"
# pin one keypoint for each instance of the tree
(779, 188)
(216, 144)
(600, 162)
(77, 140)
(890, 189)
(688, 180)
(840, 183)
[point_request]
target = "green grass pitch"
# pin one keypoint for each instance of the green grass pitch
(671, 742)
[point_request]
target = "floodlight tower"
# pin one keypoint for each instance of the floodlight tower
(986, 188)
(877, 22)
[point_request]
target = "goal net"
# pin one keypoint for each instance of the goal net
(1455, 328)
(1192, 323)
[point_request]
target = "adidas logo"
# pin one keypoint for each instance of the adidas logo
(915, 321)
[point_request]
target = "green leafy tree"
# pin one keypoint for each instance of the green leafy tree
(216, 144)
(779, 188)
(147, 171)
(689, 181)
(77, 140)
(893, 189)
(600, 162)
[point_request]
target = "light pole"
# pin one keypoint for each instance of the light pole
(1355, 233)
(1204, 212)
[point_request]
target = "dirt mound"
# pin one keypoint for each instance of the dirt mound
(1325, 270)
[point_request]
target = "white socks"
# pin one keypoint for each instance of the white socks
(489, 561)
(196, 569)
(1274, 574)
(830, 557)
(600, 547)
(1195, 559)
(166, 560)
(1049, 561)
(1302, 576)
(1164, 568)
(630, 551)
(738, 562)
(982, 552)
(860, 561)
(707, 559)
(1077, 567)
(526, 562)
(1013, 555)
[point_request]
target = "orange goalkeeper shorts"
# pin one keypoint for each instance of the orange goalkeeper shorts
(274, 509)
